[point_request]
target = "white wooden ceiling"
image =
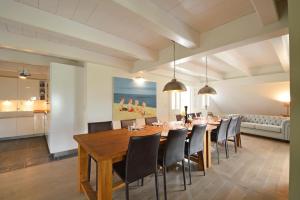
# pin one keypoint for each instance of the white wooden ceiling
(136, 34)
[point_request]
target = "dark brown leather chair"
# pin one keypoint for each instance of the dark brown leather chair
(173, 152)
(127, 122)
(232, 132)
(150, 120)
(221, 136)
(95, 127)
(141, 160)
(195, 145)
(178, 117)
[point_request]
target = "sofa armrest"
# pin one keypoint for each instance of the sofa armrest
(285, 129)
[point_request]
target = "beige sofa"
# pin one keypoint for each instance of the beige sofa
(265, 125)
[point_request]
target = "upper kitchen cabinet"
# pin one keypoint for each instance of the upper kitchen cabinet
(8, 88)
(29, 89)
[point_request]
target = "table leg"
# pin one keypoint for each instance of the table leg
(82, 167)
(204, 152)
(208, 150)
(105, 186)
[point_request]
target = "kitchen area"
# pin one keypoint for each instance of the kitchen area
(24, 107)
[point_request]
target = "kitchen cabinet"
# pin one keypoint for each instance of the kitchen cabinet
(28, 89)
(25, 126)
(8, 127)
(39, 123)
(8, 88)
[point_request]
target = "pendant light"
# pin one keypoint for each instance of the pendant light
(174, 85)
(207, 90)
(24, 74)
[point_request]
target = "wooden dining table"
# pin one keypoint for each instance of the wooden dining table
(109, 147)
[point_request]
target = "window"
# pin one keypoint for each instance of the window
(205, 101)
(179, 100)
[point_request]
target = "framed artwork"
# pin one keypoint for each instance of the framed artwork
(133, 99)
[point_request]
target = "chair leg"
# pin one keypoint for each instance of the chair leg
(96, 175)
(226, 149)
(142, 182)
(189, 162)
(89, 167)
(165, 184)
(240, 140)
(183, 173)
(218, 152)
(127, 191)
(203, 164)
(235, 144)
(156, 186)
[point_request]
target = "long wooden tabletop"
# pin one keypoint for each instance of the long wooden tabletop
(109, 147)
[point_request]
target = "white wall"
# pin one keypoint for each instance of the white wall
(254, 95)
(99, 92)
(67, 106)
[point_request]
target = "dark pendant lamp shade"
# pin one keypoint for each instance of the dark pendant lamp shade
(207, 90)
(174, 85)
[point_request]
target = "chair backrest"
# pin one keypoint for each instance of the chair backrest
(222, 132)
(174, 148)
(198, 114)
(141, 156)
(238, 126)
(116, 125)
(150, 120)
(140, 122)
(232, 127)
(196, 143)
(178, 117)
(192, 115)
(126, 123)
(99, 126)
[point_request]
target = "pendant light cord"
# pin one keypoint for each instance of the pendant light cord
(174, 59)
(206, 70)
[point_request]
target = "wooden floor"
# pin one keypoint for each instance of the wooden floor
(259, 171)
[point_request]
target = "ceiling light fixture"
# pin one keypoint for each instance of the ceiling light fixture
(24, 74)
(207, 90)
(174, 85)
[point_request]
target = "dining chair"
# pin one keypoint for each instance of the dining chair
(150, 120)
(127, 122)
(116, 125)
(173, 152)
(141, 160)
(96, 127)
(221, 136)
(238, 132)
(198, 114)
(195, 145)
(231, 133)
(178, 117)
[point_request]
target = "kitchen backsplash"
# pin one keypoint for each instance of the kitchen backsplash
(18, 105)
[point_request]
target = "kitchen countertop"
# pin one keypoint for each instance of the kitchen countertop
(17, 114)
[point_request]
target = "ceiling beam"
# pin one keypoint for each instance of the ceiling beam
(32, 59)
(34, 17)
(266, 11)
(42, 47)
(162, 22)
(197, 69)
(240, 32)
(233, 59)
(281, 47)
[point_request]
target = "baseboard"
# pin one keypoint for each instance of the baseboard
(22, 137)
(265, 137)
(64, 154)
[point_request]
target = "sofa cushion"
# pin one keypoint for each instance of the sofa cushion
(248, 125)
(268, 127)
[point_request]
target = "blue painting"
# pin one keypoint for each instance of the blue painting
(133, 98)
